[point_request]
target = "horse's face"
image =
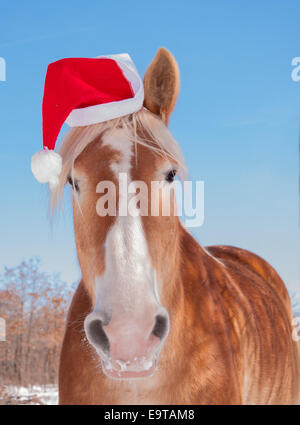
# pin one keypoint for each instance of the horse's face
(127, 258)
(124, 259)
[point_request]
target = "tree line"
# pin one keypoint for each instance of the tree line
(34, 306)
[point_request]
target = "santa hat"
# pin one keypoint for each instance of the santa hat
(80, 92)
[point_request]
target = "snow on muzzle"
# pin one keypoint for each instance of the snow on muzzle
(128, 346)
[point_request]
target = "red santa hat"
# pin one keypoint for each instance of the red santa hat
(80, 92)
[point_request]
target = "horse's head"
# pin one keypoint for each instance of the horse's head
(128, 256)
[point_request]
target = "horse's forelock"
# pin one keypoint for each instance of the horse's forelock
(155, 136)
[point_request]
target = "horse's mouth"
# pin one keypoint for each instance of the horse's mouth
(138, 368)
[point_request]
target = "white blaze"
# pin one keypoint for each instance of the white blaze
(128, 283)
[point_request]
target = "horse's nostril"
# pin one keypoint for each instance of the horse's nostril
(161, 326)
(97, 336)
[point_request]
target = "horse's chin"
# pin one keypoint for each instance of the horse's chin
(137, 369)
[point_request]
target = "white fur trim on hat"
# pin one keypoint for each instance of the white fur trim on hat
(46, 167)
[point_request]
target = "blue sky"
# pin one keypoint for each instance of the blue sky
(237, 118)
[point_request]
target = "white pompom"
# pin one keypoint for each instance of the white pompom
(46, 167)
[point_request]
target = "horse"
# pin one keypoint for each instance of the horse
(156, 317)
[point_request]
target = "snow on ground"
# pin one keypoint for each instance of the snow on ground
(47, 394)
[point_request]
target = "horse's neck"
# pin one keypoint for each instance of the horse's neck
(188, 285)
(206, 294)
(194, 256)
(192, 263)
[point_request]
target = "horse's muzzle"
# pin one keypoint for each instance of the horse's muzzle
(128, 348)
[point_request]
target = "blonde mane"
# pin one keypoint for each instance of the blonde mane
(155, 135)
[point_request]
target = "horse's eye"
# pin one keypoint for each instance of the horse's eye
(73, 184)
(171, 176)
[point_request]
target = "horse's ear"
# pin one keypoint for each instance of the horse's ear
(161, 84)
